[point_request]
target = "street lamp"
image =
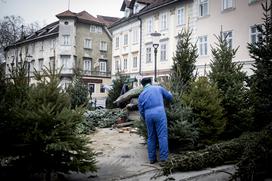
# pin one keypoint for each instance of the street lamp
(155, 40)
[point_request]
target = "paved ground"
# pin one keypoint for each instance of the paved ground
(123, 156)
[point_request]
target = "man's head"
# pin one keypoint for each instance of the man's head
(145, 81)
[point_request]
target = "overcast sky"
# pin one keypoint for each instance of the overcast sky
(44, 11)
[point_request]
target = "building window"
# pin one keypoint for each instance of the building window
(149, 25)
(87, 65)
(148, 55)
(66, 39)
(53, 44)
(181, 16)
(163, 21)
(125, 39)
(32, 65)
(88, 43)
(203, 45)
(52, 61)
(103, 66)
(40, 64)
(203, 7)
(125, 64)
(103, 46)
(163, 51)
(65, 60)
(42, 42)
(98, 29)
(91, 88)
(92, 28)
(255, 34)
(135, 35)
(117, 65)
(117, 42)
(102, 89)
(227, 4)
(228, 37)
(135, 62)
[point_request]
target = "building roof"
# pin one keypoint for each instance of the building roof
(53, 28)
(150, 6)
(107, 20)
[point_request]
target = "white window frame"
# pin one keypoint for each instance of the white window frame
(163, 21)
(93, 28)
(135, 62)
(93, 87)
(88, 43)
(103, 46)
(102, 66)
(98, 29)
(181, 16)
(65, 61)
(117, 42)
(203, 45)
(87, 65)
(227, 4)
(148, 54)
(66, 39)
(41, 61)
(163, 51)
(149, 25)
(257, 34)
(135, 38)
(228, 35)
(53, 43)
(125, 63)
(126, 39)
(203, 5)
(117, 64)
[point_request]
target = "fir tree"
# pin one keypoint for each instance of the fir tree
(230, 79)
(42, 132)
(114, 93)
(78, 92)
(205, 101)
(183, 62)
(261, 80)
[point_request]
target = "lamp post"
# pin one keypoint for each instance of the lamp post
(155, 40)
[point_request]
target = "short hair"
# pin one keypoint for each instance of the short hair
(146, 81)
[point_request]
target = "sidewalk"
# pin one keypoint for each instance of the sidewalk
(123, 156)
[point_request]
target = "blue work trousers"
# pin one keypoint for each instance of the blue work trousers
(156, 123)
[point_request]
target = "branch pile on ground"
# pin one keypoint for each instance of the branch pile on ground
(212, 156)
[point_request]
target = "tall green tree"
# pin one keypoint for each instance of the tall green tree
(114, 93)
(205, 101)
(39, 129)
(261, 80)
(183, 62)
(230, 80)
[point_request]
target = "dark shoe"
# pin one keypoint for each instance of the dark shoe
(152, 161)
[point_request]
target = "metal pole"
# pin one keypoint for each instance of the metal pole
(155, 73)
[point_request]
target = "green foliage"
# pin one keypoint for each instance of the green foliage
(212, 156)
(40, 130)
(204, 99)
(182, 130)
(114, 93)
(256, 161)
(104, 118)
(183, 62)
(78, 92)
(261, 80)
(230, 79)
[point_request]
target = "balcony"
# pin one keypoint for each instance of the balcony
(96, 73)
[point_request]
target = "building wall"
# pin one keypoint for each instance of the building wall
(238, 19)
(129, 51)
(168, 36)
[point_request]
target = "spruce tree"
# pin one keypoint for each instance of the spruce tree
(78, 92)
(183, 62)
(261, 80)
(230, 79)
(41, 131)
(205, 102)
(114, 93)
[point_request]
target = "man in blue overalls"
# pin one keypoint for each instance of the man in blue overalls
(151, 107)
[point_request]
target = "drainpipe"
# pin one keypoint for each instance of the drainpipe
(140, 60)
